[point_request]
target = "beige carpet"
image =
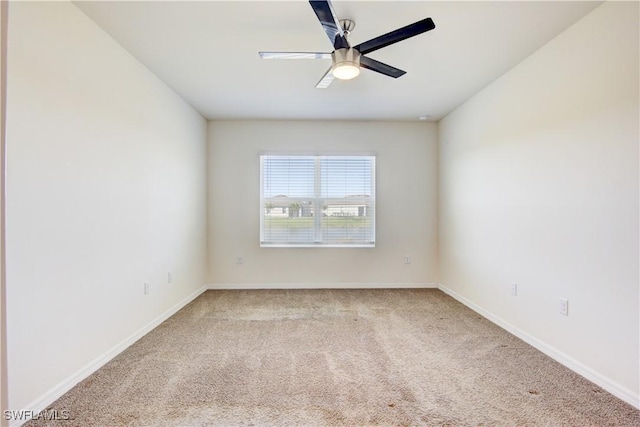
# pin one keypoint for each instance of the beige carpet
(335, 357)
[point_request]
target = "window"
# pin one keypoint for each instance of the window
(317, 201)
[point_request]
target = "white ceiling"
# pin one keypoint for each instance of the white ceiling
(207, 51)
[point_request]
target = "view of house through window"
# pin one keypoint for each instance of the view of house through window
(317, 200)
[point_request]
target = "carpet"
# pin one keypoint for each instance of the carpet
(383, 357)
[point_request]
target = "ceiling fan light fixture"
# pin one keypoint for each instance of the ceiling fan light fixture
(346, 64)
(346, 71)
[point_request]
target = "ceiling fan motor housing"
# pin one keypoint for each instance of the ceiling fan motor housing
(346, 63)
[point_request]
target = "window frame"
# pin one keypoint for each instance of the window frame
(318, 201)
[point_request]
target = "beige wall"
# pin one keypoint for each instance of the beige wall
(539, 186)
(4, 6)
(406, 221)
(106, 190)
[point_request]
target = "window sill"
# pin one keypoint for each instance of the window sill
(317, 245)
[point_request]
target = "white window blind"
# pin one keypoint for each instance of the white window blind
(317, 200)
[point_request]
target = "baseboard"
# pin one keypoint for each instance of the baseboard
(612, 387)
(56, 392)
(214, 286)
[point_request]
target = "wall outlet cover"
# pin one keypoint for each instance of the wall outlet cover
(564, 306)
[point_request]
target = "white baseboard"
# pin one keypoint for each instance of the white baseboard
(612, 387)
(56, 392)
(214, 286)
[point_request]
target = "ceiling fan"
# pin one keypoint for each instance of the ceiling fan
(347, 59)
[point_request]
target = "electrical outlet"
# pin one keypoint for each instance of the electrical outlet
(564, 306)
(514, 289)
(407, 259)
(239, 260)
(169, 277)
(147, 288)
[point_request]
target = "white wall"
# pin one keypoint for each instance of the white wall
(106, 190)
(539, 186)
(406, 211)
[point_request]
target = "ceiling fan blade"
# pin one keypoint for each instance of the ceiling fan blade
(395, 36)
(294, 55)
(382, 68)
(326, 80)
(328, 20)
